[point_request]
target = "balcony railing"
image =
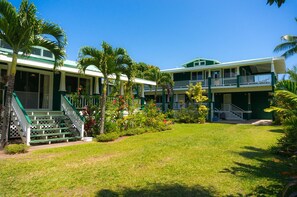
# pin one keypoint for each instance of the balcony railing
(264, 79)
(184, 84)
(261, 79)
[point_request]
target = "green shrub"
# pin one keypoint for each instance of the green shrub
(135, 131)
(187, 115)
(111, 127)
(107, 137)
(16, 149)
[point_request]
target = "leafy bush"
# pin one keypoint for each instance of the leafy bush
(111, 127)
(107, 137)
(289, 141)
(135, 131)
(187, 115)
(16, 149)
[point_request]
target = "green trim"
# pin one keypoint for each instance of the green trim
(22, 108)
(74, 109)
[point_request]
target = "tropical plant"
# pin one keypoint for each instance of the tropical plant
(289, 45)
(196, 93)
(278, 2)
(163, 80)
(21, 30)
(107, 61)
(153, 73)
(293, 73)
(285, 104)
(166, 82)
(129, 68)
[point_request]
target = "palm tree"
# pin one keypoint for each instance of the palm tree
(278, 2)
(22, 30)
(107, 61)
(153, 73)
(289, 45)
(166, 83)
(129, 68)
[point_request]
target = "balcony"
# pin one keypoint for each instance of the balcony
(250, 80)
(184, 84)
(264, 79)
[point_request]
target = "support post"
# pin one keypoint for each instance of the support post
(209, 98)
(249, 106)
(238, 76)
(96, 87)
(121, 88)
(142, 98)
(163, 100)
(272, 84)
(212, 106)
(62, 82)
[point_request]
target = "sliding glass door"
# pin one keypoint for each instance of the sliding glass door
(33, 89)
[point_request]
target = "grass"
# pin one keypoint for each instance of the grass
(190, 160)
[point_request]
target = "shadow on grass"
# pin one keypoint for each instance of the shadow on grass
(276, 130)
(159, 190)
(271, 169)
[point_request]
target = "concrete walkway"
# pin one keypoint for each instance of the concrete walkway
(40, 147)
(253, 122)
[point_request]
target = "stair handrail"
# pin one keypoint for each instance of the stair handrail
(237, 110)
(73, 114)
(23, 118)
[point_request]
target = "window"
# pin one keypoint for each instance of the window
(199, 75)
(229, 72)
(194, 75)
(47, 53)
(199, 63)
(36, 51)
(215, 74)
(5, 45)
(73, 83)
(202, 63)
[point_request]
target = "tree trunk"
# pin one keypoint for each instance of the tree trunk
(8, 99)
(103, 105)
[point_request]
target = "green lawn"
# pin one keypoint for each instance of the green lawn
(189, 160)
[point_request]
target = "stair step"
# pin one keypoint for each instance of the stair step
(46, 116)
(31, 113)
(51, 134)
(54, 140)
(50, 129)
(48, 124)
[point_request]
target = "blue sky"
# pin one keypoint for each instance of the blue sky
(167, 33)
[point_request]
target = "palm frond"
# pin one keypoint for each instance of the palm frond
(287, 85)
(54, 30)
(59, 53)
(7, 11)
(85, 62)
(289, 96)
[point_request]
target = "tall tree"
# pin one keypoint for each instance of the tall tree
(166, 82)
(129, 68)
(289, 45)
(107, 61)
(21, 30)
(153, 73)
